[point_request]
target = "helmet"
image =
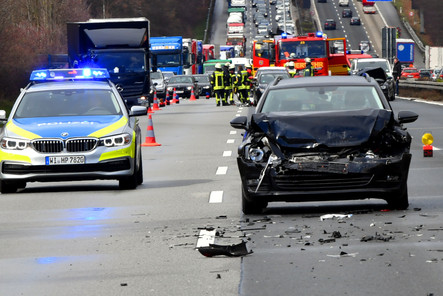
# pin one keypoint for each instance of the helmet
(292, 55)
(231, 67)
(307, 60)
(218, 66)
(227, 64)
(291, 65)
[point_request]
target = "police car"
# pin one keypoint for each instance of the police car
(70, 124)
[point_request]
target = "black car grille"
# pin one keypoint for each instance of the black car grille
(80, 145)
(319, 181)
(48, 146)
(58, 145)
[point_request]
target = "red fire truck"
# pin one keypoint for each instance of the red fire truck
(328, 55)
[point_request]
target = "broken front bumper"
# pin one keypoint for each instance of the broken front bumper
(321, 181)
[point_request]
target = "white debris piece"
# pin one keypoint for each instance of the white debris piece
(335, 216)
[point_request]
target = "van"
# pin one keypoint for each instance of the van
(343, 2)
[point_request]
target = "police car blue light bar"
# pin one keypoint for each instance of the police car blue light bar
(66, 74)
(284, 35)
(319, 34)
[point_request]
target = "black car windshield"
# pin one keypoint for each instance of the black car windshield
(69, 102)
(321, 98)
(180, 79)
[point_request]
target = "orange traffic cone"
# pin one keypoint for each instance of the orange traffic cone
(150, 138)
(150, 110)
(192, 98)
(174, 97)
(155, 105)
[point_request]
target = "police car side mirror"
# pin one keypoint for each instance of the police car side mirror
(138, 111)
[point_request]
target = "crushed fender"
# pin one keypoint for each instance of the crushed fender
(230, 251)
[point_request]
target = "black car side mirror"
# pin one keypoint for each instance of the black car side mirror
(239, 122)
(406, 116)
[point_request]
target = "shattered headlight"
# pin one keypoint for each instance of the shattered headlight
(14, 143)
(258, 151)
(116, 140)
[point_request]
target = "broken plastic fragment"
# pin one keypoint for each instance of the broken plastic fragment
(335, 216)
(231, 251)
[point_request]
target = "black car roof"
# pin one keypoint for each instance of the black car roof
(324, 80)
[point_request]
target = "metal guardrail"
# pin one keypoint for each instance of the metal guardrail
(422, 84)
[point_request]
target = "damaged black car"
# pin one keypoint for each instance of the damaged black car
(324, 138)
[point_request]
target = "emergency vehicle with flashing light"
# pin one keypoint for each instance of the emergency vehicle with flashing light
(325, 58)
(67, 125)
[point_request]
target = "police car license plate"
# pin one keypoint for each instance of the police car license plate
(54, 160)
(179, 91)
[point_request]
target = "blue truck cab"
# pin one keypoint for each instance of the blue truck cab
(167, 53)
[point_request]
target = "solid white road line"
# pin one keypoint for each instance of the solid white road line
(222, 170)
(216, 197)
(205, 238)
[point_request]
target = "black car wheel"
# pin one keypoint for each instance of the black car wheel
(251, 207)
(399, 200)
(8, 187)
(131, 182)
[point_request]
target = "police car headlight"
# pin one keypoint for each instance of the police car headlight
(117, 140)
(14, 144)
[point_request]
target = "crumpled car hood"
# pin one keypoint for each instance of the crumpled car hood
(331, 129)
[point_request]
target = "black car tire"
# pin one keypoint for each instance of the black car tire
(251, 207)
(140, 171)
(9, 186)
(131, 182)
(399, 200)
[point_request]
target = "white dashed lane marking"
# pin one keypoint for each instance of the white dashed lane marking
(227, 153)
(222, 170)
(233, 132)
(230, 141)
(216, 197)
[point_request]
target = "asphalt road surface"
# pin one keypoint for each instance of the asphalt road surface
(91, 238)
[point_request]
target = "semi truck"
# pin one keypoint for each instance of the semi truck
(433, 57)
(189, 56)
(405, 51)
(168, 53)
(316, 46)
(120, 45)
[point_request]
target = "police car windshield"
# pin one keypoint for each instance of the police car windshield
(326, 98)
(69, 102)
